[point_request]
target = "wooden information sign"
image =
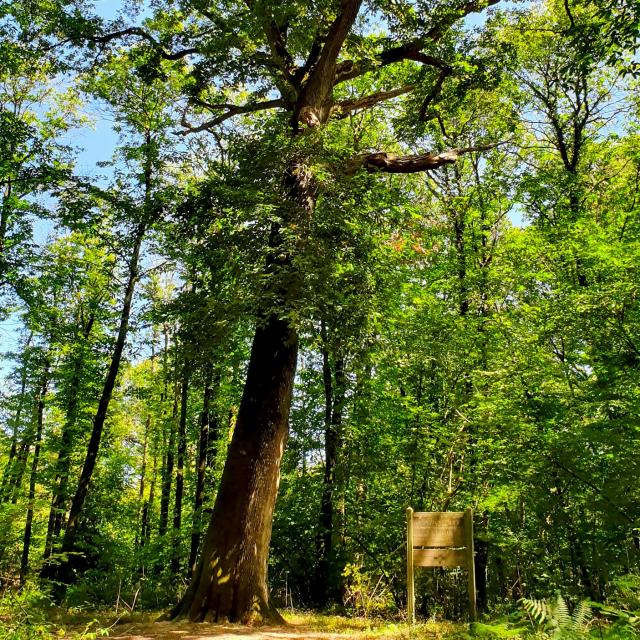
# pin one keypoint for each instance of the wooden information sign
(440, 539)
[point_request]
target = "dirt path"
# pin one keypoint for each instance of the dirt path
(204, 631)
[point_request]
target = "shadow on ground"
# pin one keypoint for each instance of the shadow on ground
(202, 631)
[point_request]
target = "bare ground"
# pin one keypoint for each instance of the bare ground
(204, 631)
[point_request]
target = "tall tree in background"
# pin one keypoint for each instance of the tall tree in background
(579, 102)
(87, 268)
(143, 108)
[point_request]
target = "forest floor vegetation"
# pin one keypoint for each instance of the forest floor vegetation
(30, 614)
(26, 620)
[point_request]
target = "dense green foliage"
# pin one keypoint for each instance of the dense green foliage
(470, 335)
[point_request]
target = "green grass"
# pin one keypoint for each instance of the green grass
(365, 628)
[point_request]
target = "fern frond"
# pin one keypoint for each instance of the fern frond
(581, 615)
(537, 609)
(561, 613)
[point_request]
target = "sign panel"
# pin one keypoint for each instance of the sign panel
(440, 539)
(438, 529)
(439, 557)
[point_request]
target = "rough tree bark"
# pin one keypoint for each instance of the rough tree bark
(230, 580)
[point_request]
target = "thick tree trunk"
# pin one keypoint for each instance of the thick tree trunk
(230, 580)
(63, 572)
(26, 545)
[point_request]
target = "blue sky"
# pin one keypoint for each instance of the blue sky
(99, 141)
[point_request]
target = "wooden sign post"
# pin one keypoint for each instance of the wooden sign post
(440, 539)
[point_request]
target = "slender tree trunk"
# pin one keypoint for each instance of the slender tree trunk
(215, 427)
(7, 473)
(413, 424)
(147, 510)
(167, 457)
(326, 584)
(20, 464)
(5, 211)
(143, 472)
(230, 580)
(182, 450)
(62, 572)
(26, 545)
(167, 476)
(203, 447)
(63, 462)
(481, 562)
(482, 546)
(147, 505)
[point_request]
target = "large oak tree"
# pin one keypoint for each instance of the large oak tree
(312, 65)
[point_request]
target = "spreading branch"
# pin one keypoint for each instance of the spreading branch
(145, 35)
(335, 39)
(438, 29)
(230, 110)
(276, 36)
(595, 488)
(314, 53)
(391, 163)
(434, 93)
(345, 107)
